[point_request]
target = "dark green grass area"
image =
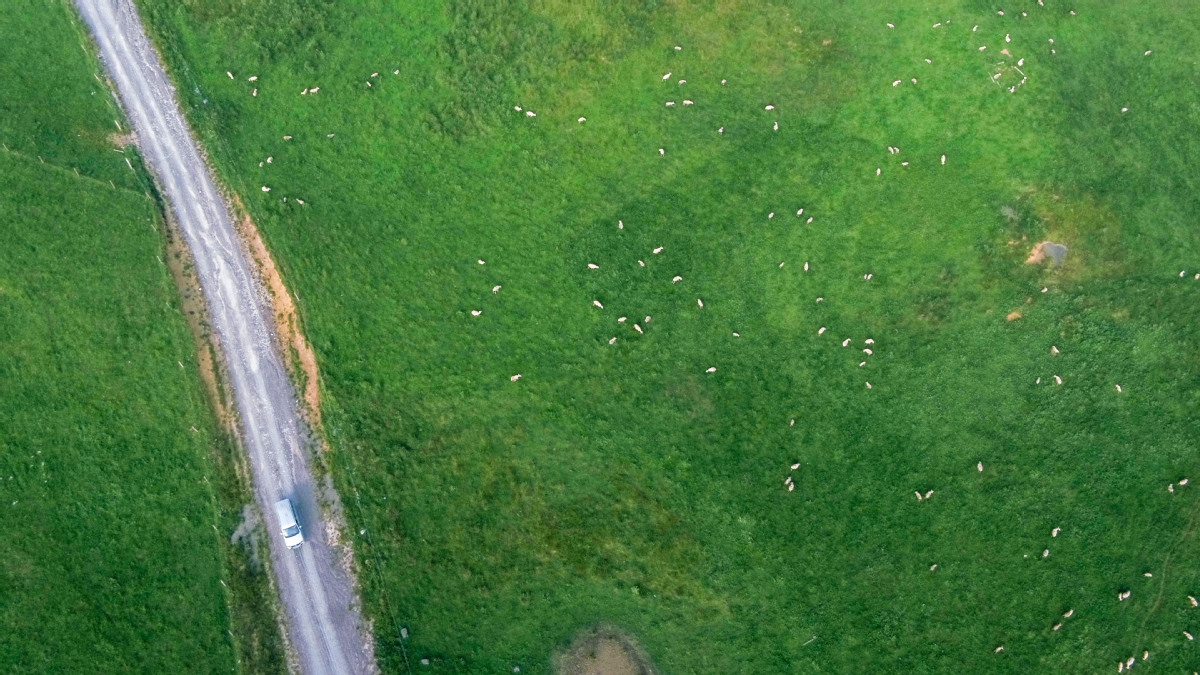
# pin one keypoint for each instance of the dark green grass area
(118, 492)
(624, 484)
(55, 107)
(110, 558)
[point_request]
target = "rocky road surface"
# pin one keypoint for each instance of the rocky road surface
(324, 627)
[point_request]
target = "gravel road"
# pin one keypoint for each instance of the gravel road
(323, 624)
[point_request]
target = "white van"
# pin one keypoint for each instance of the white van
(288, 524)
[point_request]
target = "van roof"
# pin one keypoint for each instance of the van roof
(283, 511)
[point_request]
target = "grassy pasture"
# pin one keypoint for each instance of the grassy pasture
(622, 482)
(110, 561)
(113, 474)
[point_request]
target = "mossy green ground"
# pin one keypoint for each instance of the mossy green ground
(113, 475)
(622, 483)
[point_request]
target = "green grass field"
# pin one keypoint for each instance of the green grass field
(113, 474)
(622, 482)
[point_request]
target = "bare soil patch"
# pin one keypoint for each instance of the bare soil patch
(1047, 249)
(603, 650)
(299, 355)
(195, 311)
(293, 343)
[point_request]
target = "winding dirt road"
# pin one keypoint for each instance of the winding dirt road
(324, 626)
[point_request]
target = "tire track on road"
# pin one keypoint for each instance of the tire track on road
(324, 626)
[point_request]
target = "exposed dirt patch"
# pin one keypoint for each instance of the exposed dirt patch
(1047, 250)
(343, 547)
(302, 362)
(603, 650)
(293, 343)
(250, 534)
(121, 141)
(1013, 316)
(1079, 221)
(195, 311)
